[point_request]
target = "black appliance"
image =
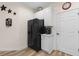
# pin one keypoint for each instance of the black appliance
(48, 29)
(35, 29)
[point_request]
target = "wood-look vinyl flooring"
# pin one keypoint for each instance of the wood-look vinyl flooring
(31, 52)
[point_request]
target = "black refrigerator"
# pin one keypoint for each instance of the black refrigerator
(35, 29)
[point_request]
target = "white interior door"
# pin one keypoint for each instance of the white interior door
(67, 27)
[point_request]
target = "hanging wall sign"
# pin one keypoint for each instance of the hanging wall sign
(66, 5)
(8, 22)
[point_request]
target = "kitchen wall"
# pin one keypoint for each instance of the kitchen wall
(14, 37)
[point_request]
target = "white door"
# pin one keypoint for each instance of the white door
(67, 27)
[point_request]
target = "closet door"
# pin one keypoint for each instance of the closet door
(67, 32)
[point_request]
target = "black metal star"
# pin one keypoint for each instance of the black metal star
(3, 8)
(9, 11)
(14, 13)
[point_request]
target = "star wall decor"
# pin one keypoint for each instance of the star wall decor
(3, 8)
(9, 11)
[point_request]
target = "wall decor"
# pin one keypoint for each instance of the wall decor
(14, 13)
(8, 22)
(9, 11)
(66, 5)
(3, 8)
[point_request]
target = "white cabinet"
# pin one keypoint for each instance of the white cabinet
(48, 17)
(39, 15)
(45, 14)
(47, 43)
(68, 27)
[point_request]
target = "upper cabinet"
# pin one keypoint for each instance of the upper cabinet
(45, 14)
(39, 15)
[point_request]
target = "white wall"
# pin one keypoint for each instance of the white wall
(14, 37)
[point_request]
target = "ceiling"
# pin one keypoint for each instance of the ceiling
(35, 5)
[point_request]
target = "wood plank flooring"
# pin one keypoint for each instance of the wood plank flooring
(31, 52)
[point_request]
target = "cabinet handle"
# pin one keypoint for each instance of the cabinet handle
(57, 33)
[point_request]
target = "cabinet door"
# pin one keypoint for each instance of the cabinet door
(67, 27)
(47, 43)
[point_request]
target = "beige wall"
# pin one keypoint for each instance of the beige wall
(15, 37)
